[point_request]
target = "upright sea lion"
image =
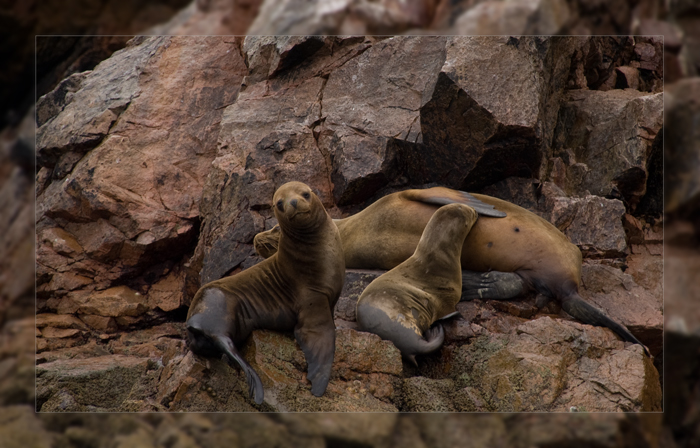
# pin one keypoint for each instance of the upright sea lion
(402, 304)
(295, 289)
(510, 255)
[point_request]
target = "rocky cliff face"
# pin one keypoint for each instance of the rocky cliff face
(158, 167)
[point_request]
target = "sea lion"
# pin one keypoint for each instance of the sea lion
(403, 303)
(295, 289)
(501, 258)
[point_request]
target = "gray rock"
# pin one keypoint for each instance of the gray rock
(611, 133)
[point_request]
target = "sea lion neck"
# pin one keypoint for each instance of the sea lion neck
(445, 232)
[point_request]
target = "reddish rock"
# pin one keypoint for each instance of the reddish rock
(357, 351)
(554, 364)
(213, 17)
(167, 294)
(115, 201)
(103, 324)
(612, 134)
(62, 242)
(109, 229)
(59, 321)
(60, 333)
(114, 302)
(622, 299)
(628, 77)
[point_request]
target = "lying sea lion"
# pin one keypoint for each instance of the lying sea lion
(295, 289)
(501, 258)
(403, 303)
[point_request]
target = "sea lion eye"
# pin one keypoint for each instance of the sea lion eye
(307, 195)
(280, 205)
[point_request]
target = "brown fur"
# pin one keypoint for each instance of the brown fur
(295, 289)
(403, 303)
(387, 232)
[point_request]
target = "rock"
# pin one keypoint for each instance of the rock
(554, 364)
(471, 117)
(59, 321)
(681, 263)
(628, 77)
(593, 223)
(292, 17)
(392, 80)
(612, 134)
(361, 429)
(356, 280)
(20, 428)
(114, 302)
(100, 323)
(102, 383)
(427, 395)
(682, 147)
(560, 430)
(116, 248)
(17, 339)
(625, 301)
(167, 294)
(520, 17)
(16, 243)
(362, 366)
(468, 430)
(214, 18)
(115, 201)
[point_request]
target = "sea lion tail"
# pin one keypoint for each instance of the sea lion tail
(255, 387)
(587, 313)
(375, 320)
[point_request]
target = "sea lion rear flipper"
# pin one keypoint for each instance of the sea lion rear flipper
(316, 335)
(444, 196)
(255, 387)
(587, 313)
(491, 285)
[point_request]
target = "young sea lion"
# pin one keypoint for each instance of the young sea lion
(402, 304)
(501, 258)
(295, 289)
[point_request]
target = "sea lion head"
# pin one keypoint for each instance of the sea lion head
(447, 229)
(297, 207)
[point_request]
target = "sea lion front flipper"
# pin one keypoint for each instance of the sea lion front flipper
(315, 333)
(255, 387)
(444, 196)
(491, 285)
(449, 316)
(587, 313)
(266, 243)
